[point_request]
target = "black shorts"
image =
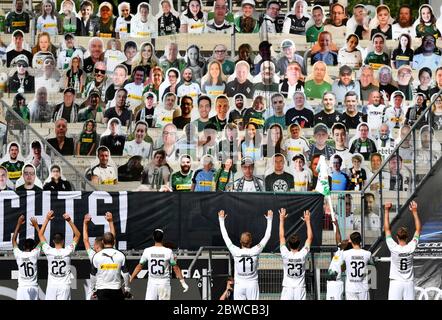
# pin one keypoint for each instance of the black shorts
(110, 294)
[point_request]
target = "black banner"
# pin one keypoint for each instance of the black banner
(189, 220)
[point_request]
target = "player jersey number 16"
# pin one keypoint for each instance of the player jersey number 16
(28, 269)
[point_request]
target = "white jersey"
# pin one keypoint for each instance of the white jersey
(162, 117)
(294, 267)
(394, 117)
(356, 262)
(294, 147)
(397, 30)
(346, 158)
(336, 264)
(159, 260)
(140, 29)
(27, 267)
(192, 90)
(302, 180)
(375, 116)
(194, 26)
(134, 95)
(401, 266)
(352, 59)
(112, 59)
(59, 265)
(105, 175)
(122, 26)
(108, 266)
(132, 148)
(373, 222)
(246, 259)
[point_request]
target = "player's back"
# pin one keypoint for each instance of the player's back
(59, 265)
(356, 262)
(27, 266)
(107, 266)
(246, 262)
(294, 267)
(158, 259)
(401, 266)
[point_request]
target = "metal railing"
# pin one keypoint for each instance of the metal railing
(78, 180)
(418, 173)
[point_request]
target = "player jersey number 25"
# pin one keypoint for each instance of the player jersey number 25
(58, 268)
(157, 267)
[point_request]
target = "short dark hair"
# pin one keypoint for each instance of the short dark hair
(36, 145)
(13, 144)
(293, 242)
(350, 94)
(108, 239)
(338, 157)
(160, 152)
(130, 44)
(29, 244)
(158, 235)
(139, 68)
(102, 149)
(356, 238)
(339, 126)
(58, 238)
(204, 97)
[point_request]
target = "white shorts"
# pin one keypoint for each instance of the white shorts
(246, 291)
(157, 291)
(364, 295)
(335, 289)
(27, 293)
(401, 290)
(293, 293)
(58, 293)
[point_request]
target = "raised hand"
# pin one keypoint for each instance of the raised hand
(222, 214)
(388, 206)
(66, 217)
(108, 217)
(282, 214)
(307, 216)
(413, 206)
(34, 222)
(21, 220)
(50, 215)
(87, 218)
(269, 214)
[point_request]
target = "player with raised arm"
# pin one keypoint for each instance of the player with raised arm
(59, 260)
(401, 265)
(246, 259)
(109, 268)
(27, 264)
(98, 243)
(293, 284)
(356, 262)
(159, 259)
(335, 286)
